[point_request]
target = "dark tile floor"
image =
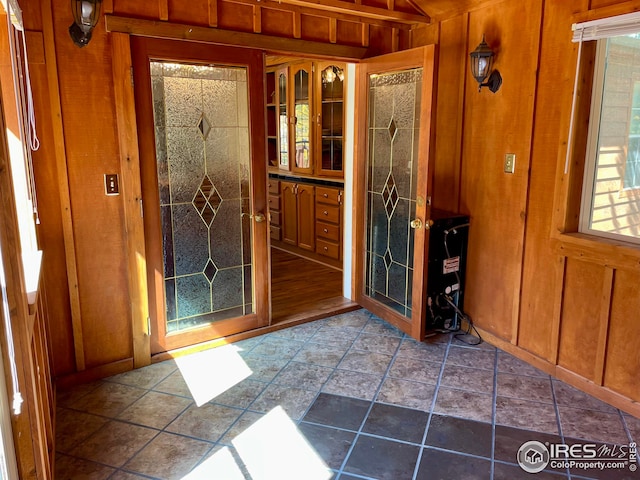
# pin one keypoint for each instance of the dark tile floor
(348, 397)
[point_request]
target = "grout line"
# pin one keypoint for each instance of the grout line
(494, 414)
(558, 420)
(372, 401)
(432, 408)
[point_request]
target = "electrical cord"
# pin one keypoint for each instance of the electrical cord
(449, 299)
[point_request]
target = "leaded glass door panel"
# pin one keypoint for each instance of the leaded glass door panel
(203, 213)
(393, 185)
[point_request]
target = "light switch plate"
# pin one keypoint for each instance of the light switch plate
(111, 186)
(509, 163)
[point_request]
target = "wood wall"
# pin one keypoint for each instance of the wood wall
(557, 300)
(562, 301)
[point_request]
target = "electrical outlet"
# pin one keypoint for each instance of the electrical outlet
(509, 163)
(111, 184)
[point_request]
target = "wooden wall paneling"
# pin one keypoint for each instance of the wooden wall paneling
(349, 33)
(366, 39)
(213, 13)
(163, 9)
(333, 30)
(235, 16)
(60, 155)
(90, 135)
(558, 296)
(132, 196)
(452, 80)
(603, 331)
(496, 124)
(555, 82)
(580, 323)
(107, 6)
(277, 22)
(297, 25)
(147, 9)
(367, 11)
(257, 19)
(623, 355)
(595, 4)
(50, 230)
(314, 28)
(273, 44)
(194, 12)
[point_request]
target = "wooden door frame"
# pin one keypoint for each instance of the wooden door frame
(424, 57)
(144, 49)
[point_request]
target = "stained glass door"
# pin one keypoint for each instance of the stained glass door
(394, 184)
(202, 200)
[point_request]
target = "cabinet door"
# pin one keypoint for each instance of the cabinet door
(329, 138)
(306, 217)
(282, 121)
(289, 213)
(301, 91)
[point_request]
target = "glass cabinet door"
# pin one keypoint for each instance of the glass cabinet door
(330, 84)
(283, 119)
(302, 119)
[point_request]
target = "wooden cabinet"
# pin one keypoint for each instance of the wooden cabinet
(305, 118)
(302, 121)
(328, 207)
(274, 209)
(277, 112)
(298, 214)
(330, 119)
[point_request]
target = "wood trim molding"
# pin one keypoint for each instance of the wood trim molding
(314, 12)
(601, 251)
(63, 181)
(96, 373)
(603, 331)
(213, 13)
(273, 44)
(608, 11)
(349, 8)
(132, 196)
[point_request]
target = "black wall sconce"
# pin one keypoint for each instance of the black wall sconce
(481, 63)
(86, 14)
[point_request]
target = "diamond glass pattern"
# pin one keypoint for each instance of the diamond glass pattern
(210, 271)
(207, 200)
(204, 126)
(390, 195)
(393, 129)
(393, 132)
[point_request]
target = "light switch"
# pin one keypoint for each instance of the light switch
(509, 163)
(111, 184)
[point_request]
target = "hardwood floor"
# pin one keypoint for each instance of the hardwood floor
(304, 289)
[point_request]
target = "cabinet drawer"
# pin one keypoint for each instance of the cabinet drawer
(328, 231)
(328, 213)
(274, 232)
(274, 202)
(274, 186)
(328, 249)
(330, 196)
(274, 218)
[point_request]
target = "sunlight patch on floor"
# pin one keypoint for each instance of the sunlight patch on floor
(220, 465)
(274, 449)
(212, 372)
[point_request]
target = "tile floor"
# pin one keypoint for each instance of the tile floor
(348, 397)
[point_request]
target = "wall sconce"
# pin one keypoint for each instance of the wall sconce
(481, 63)
(86, 14)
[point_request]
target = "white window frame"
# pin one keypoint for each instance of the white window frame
(600, 31)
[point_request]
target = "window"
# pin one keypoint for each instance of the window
(611, 191)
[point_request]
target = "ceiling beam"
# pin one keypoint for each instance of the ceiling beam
(355, 16)
(365, 11)
(270, 43)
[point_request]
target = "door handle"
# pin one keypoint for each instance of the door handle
(259, 217)
(417, 224)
